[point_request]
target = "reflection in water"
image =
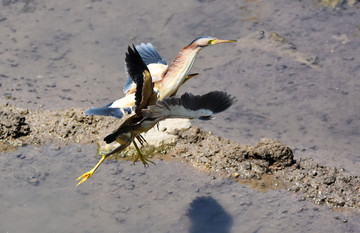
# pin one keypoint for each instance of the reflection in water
(207, 215)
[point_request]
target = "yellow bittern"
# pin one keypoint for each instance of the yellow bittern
(167, 79)
(149, 111)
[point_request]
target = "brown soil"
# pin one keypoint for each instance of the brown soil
(21, 127)
(267, 165)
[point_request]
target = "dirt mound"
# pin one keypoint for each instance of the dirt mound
(12, 124)
(231, 158)
(20, 127)
(270, 164)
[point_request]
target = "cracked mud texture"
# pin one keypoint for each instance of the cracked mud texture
(270, 163)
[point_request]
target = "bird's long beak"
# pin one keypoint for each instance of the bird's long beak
(219, 41)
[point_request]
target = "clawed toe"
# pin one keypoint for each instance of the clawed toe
(84, 177)
(143, 160)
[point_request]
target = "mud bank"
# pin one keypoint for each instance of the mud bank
(20, 127)
(267, 165)
(271, 165)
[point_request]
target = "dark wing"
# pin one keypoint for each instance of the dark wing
(149, 55)
(215, 101)
(190, 106)
(135, 67)
(140, 75)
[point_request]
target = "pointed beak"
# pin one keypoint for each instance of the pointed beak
(219, 41)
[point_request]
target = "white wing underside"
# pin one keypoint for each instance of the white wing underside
(190, 106)
(126, 101)
(175, 111)
(156, 71)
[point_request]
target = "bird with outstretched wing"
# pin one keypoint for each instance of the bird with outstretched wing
(167, 78)
(149, 111)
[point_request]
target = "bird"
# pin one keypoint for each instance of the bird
(149, 110)
(167, 78)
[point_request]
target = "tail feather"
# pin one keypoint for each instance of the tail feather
(110, 138)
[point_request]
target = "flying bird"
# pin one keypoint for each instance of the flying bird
(149, 111)
(167, 78)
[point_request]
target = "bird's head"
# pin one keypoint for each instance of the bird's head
(204, 41)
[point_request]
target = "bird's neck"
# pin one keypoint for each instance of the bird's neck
(178, 70)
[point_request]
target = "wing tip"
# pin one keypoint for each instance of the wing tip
(105, 111)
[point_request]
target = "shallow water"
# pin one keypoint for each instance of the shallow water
(56, 55)
(38, 188)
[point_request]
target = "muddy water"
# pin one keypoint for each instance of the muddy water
(56, 55)
(38, 188)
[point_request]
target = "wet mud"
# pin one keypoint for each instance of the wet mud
(269, 163)
(22, 127)
(294, 72)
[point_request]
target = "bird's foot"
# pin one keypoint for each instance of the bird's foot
(85, 176)
(143, 160)
(141, 157)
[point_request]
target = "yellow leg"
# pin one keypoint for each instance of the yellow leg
(87, 175)
(141, 157)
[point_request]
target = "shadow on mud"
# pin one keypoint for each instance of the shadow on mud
(207, 215)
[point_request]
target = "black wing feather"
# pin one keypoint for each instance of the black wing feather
(197, 106)
(216, 101)
(135, 67)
